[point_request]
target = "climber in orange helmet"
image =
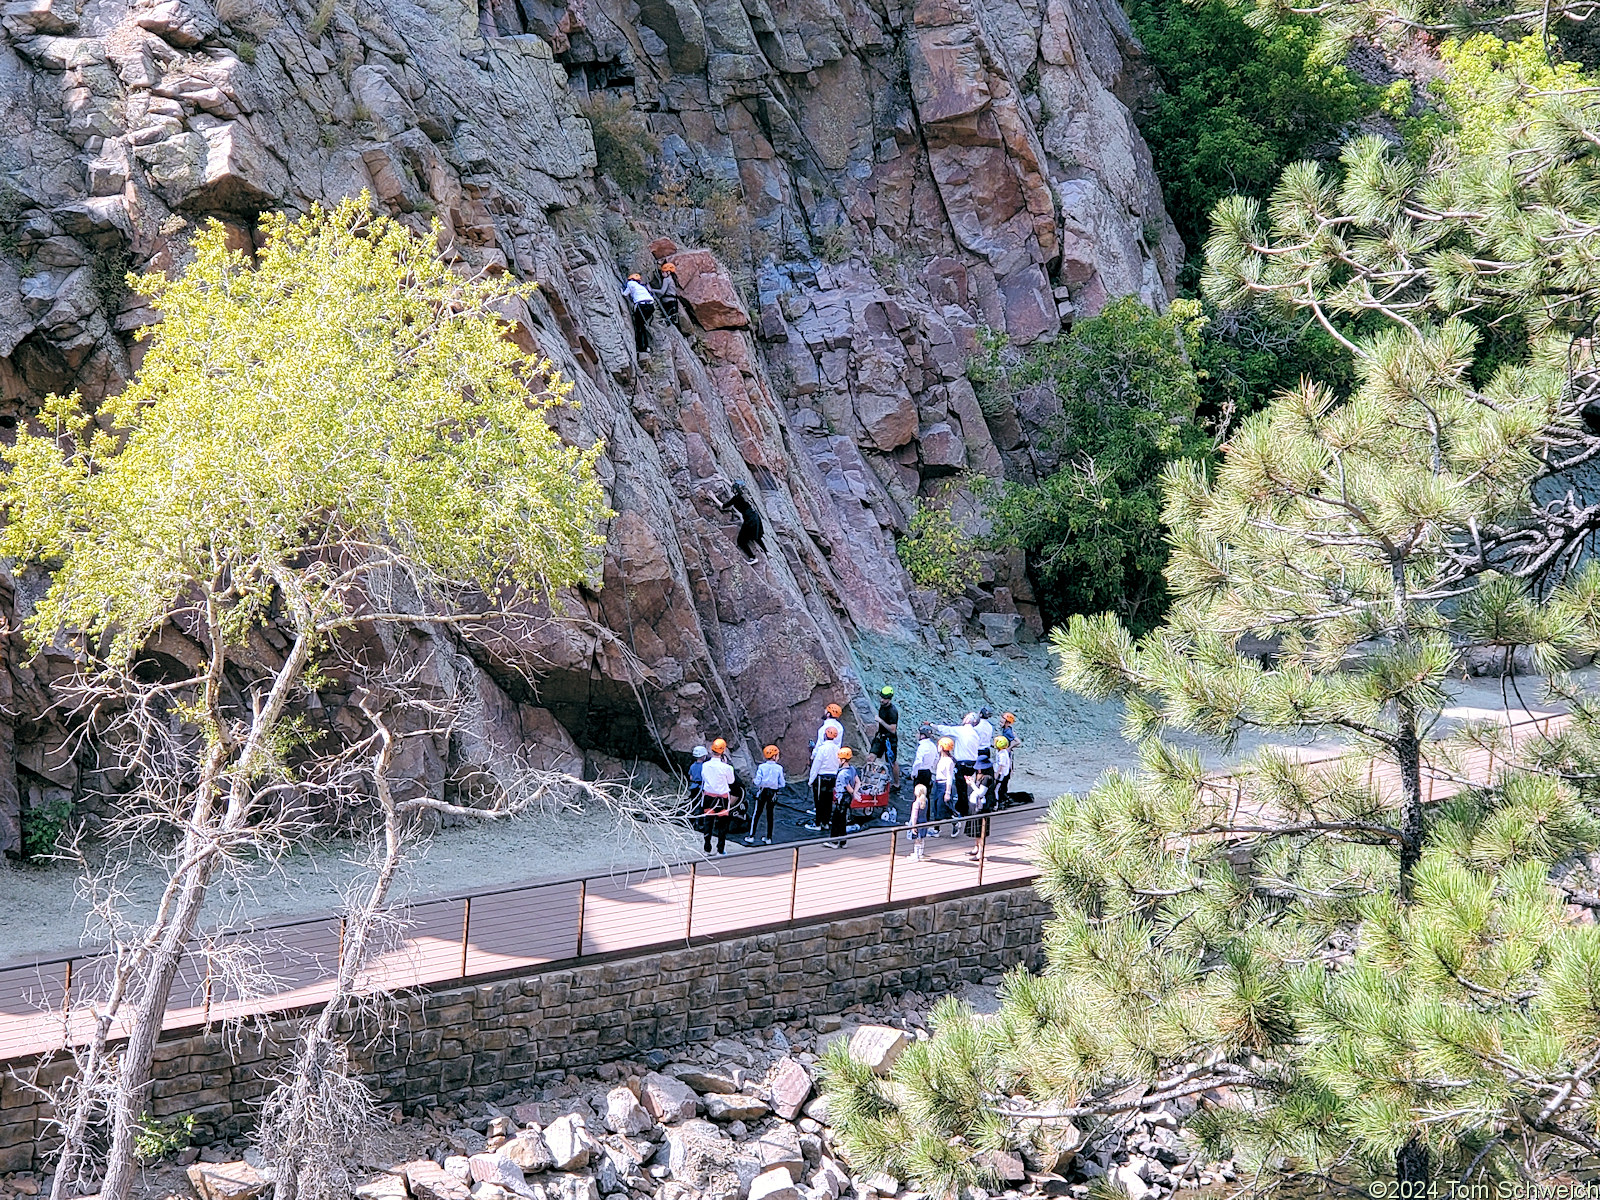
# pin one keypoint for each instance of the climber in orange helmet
(832, 715)
(716, 805)
(668, 291)
(847, 785)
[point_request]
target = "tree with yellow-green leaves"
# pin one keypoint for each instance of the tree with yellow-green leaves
(333, 438)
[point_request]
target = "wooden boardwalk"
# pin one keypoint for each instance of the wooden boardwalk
(461, 938)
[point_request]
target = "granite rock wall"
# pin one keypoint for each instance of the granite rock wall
(853, 189)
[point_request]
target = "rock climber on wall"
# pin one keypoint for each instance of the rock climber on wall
(751, 530)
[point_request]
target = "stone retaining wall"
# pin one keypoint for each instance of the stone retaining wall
(490, 1041)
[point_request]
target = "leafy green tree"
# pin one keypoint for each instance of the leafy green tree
(335, 437)
(1128, 397)
(1236, 104)
(937, 553)
(1384, 976)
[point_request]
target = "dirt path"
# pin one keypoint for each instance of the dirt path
(1068, 743)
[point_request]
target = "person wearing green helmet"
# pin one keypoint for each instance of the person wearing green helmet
(886, 741)
(1002, 771)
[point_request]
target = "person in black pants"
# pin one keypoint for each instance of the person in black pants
(751, 531)
(643, 304)
(769, 782)
(847, 785)
(716, 805)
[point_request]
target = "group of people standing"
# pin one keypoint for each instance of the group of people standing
(961, 771)
(957, 773)
(721, 797)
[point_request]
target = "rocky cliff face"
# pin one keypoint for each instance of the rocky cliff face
(875, 181)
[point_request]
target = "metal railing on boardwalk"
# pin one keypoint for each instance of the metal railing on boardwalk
(462, 938)
(484, 934)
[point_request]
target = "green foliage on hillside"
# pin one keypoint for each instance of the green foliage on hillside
(937, 553)
(623, 143)
(1128, 398)
(1236, 104)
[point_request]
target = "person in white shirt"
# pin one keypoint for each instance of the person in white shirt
(824, 774)
(716, 806)
(922, 762)
(643, 304)
(985, 730)
(769, 782)
(977, 801)
(919, 814)
(1002, 770)
(967, 744)
(944, 785)
(833, 715)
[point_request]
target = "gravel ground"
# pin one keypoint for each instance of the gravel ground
(1068, 743)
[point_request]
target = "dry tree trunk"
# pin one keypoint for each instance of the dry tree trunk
(320, 1110)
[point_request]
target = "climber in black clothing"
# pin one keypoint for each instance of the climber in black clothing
(750, 529)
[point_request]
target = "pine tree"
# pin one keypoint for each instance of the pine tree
(1384, 979)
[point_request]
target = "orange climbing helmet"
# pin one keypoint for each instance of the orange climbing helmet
(948, 745)
(833, 710)
(634, 279)
(846, 754)
(831, 731)
(1008, 719)
(719, 747)
(771, 752)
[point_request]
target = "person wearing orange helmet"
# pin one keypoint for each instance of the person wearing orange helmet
(643, 304)
(847, 785)
(668, 291)
(716, 805)
(832, 715)
(769, 782)
(824, 774)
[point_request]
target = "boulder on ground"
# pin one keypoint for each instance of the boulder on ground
(531, 1113)
(780, 1147)
(381, 1187)
(498, 1169)
(1007, 1167)
(878, 1046)
(693, 1149)
(571, 1187)
(774, 1184)
(226, 1181)
(830, 1179)
(1000, 628)
(429, 1181)
(1127, 1180)
(528, 1151)
(571, 1145)
(624, 1113)
(735, 1108)
(669, 1100)
(714, 1080)
(790, 1086)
